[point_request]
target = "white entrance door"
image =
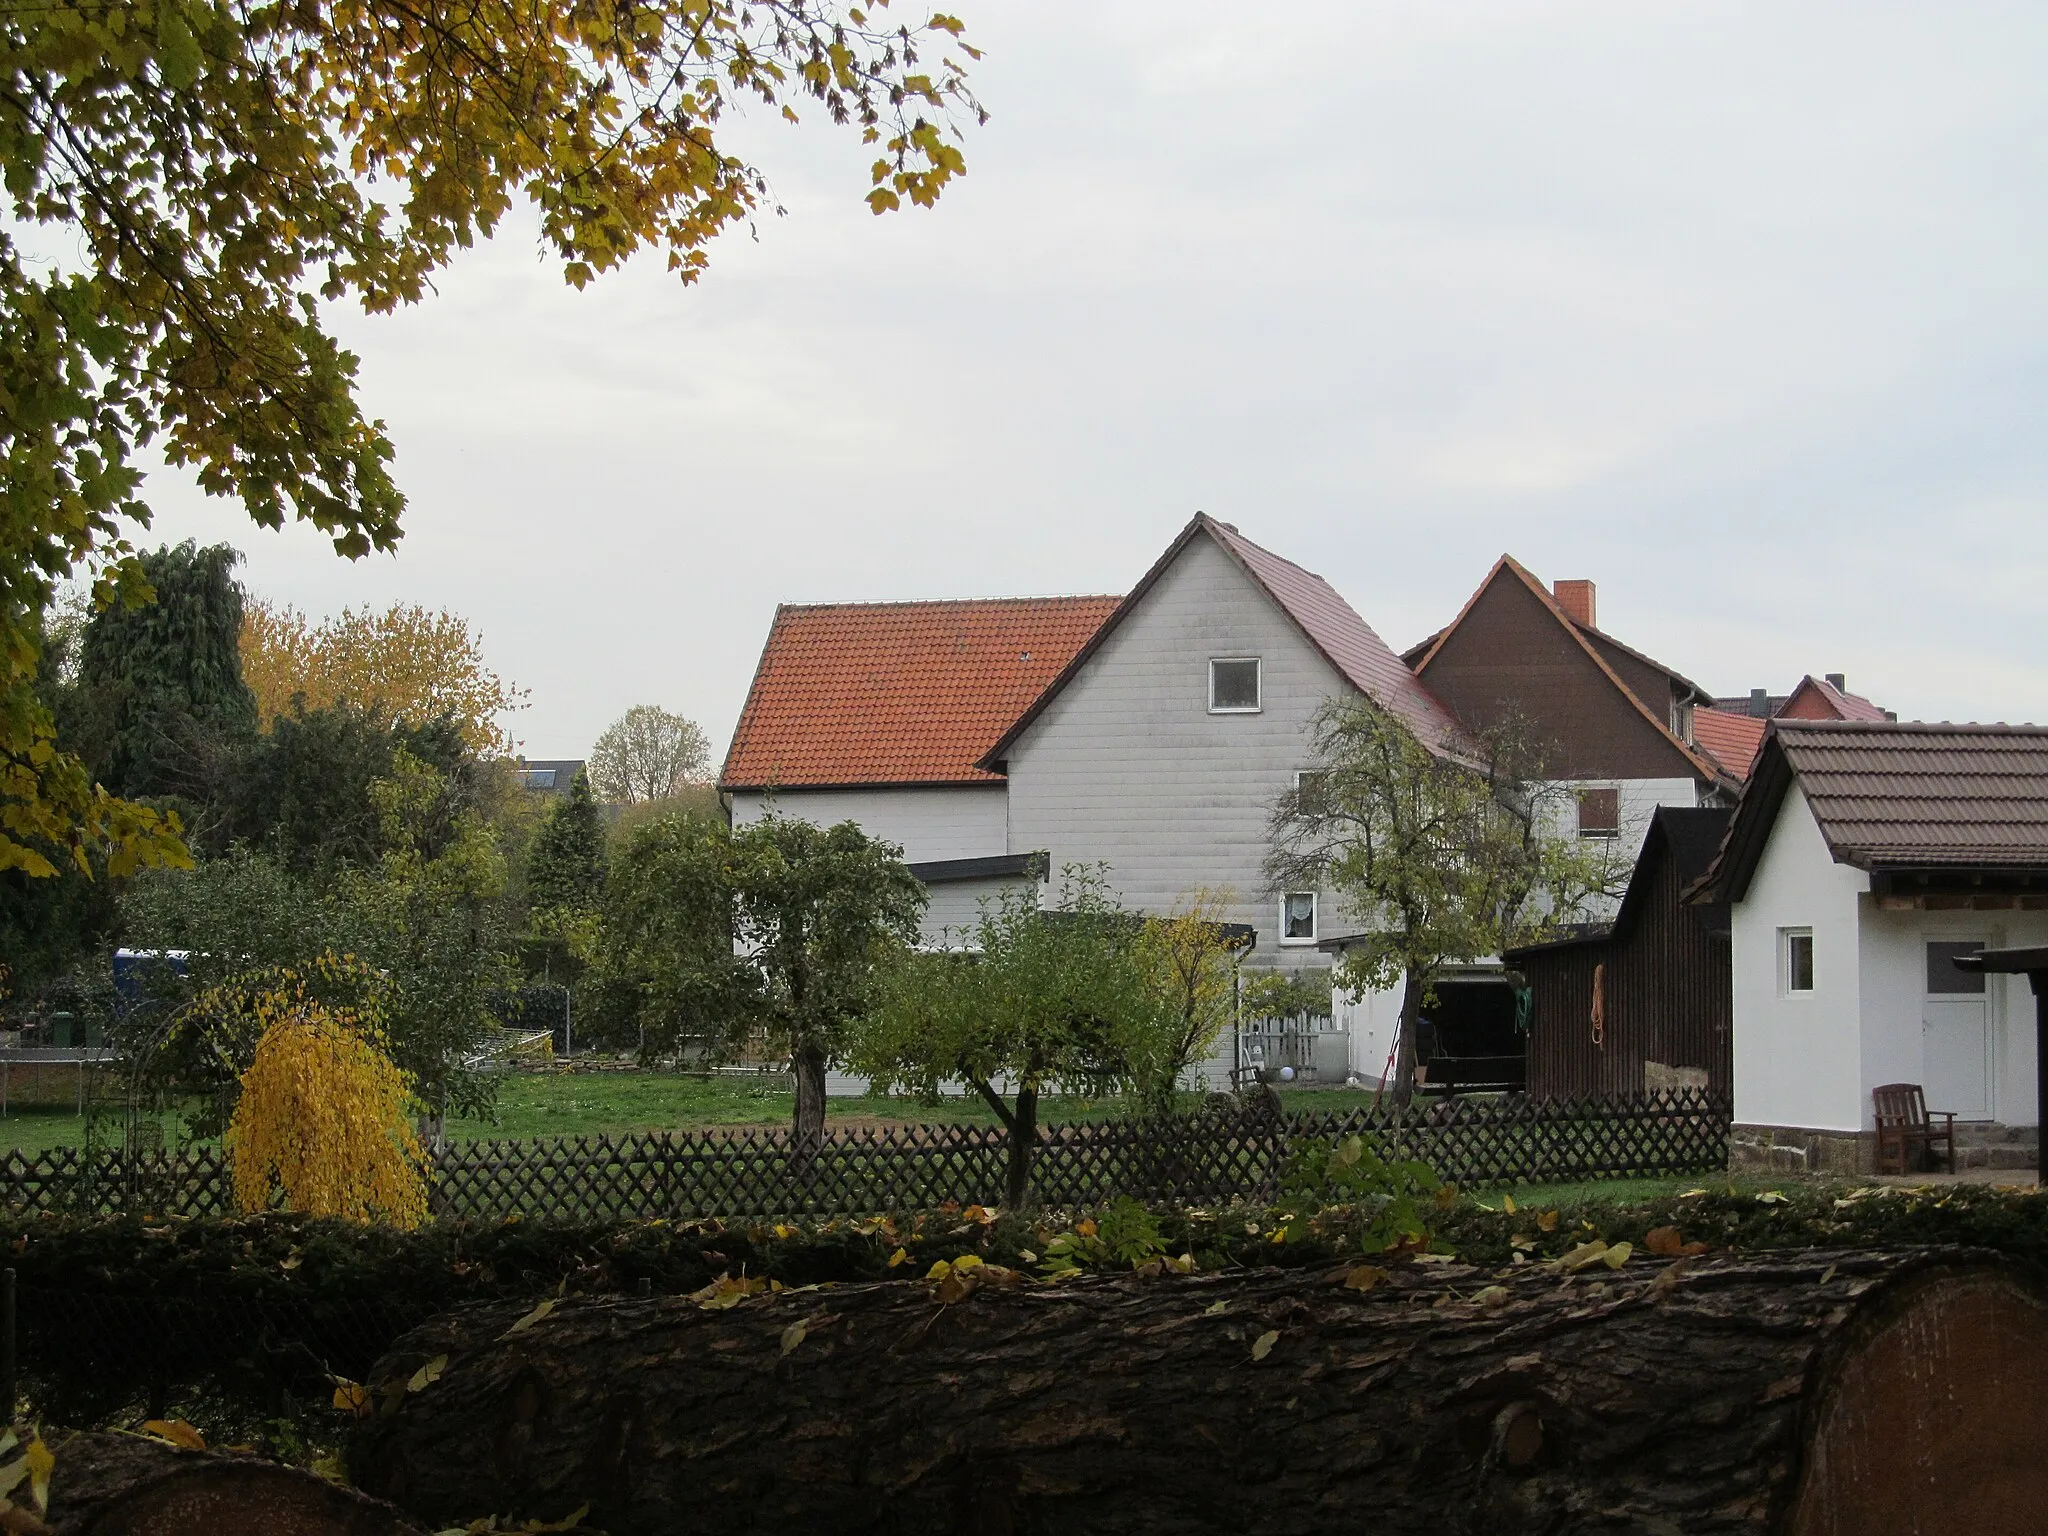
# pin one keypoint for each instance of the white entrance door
(1955, 1033)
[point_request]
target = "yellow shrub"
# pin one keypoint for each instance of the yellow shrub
(322, 1117)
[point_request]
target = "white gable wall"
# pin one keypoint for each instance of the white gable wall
(1127, 766)
(967, 822)
(1799, 1059)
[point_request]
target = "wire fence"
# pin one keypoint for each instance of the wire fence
(1203, 1159)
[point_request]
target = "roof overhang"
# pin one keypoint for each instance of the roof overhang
(1000, 866)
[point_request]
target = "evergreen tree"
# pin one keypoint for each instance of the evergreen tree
(566, 867)
(163, 681)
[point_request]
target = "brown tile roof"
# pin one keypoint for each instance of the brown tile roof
(1331, 625)
(899, 693)
(1731, 739)
(1897, 796)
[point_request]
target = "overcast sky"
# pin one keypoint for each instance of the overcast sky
(1739, 310)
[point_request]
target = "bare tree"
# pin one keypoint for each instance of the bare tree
(648, 754)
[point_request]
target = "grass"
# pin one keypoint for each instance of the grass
(620, 1103)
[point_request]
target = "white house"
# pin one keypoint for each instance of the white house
(1862, 858)
(1004, 740)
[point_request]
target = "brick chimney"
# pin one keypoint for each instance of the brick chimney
(1576, 599)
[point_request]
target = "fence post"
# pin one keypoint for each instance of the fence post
(7, 1356)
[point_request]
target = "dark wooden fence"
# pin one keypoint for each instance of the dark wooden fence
(1206, 1159)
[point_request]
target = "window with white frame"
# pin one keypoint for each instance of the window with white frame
(1795, 961)
(1310, 785)
(1298, 917)
(1234, 685)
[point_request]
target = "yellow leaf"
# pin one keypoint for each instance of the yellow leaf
(1363, 1277)
(898, 1257)
(427, 1374)
(1262, 1346)
(1547, 1221)
(568, 1522)
(40, 1464)
(530, 1319)
(1492, 1297)
(330, 1467)
(1582, 1256)
(940, 1270)
(1216, 1309)
(1770, 1197)
(966, 1262)
(1086, 1228)
(1826, 1275)
(1507, 1203)
(1617, 1256)
(793, 1335)
(177, 1431)
(352, 1397)
(1690, 1194)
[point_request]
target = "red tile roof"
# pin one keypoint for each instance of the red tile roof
(899, 693)
(1818, 699)
(1731, 739)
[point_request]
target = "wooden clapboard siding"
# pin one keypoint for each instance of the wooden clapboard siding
(1126, 766)
(1668, 981)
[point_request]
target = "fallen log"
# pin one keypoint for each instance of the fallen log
(1816, 1393)
(130, 1485)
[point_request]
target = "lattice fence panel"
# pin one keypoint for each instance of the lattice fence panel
(1205, 1159)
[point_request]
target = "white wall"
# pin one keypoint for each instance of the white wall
(1799, 1060)
(1639, 800)
(1127, 766)
(1894, 989)
(955, 911)
(963, 823)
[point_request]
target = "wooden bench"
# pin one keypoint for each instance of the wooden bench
(1904, 1122)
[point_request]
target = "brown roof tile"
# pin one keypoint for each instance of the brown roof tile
(899, 693)
(1818, 699)
(1891, 795)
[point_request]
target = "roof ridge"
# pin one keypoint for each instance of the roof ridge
(947, 602)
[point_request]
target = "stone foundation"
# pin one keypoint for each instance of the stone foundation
(1795, 1149)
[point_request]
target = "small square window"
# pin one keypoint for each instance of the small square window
(1795, 960)
(1599, 813)
(1234, 686)
(1309, 786)
(1298, 917)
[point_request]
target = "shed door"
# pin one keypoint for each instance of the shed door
(1955, 1033)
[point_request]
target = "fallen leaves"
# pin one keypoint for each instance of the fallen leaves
(1262, 1346)
(530, 1319)
(1587, 1254)
(794, 1335)
(176, 1431)
(427, 1374)
(1670, 1243)
(1361, 1277)
(727, 1291)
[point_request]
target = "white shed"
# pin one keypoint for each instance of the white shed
(1863, 858)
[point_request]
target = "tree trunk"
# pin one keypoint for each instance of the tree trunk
(1023, 1143)
(808, 1065)
(1819, 1393)
(1412, 988)
(128, 1485)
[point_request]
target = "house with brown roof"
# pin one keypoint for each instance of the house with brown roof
(1863, 857)
(1600, 714)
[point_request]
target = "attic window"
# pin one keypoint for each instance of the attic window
(1600, 813)
(1234, 686)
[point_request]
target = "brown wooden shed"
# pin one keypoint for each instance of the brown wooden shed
(1646, 1003)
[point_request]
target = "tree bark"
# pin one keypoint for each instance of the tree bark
(128, 1485)
(808, 1066)
(1404, 1044)
(1781, 1393)
(1023, 1143)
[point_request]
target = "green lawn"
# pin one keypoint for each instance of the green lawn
(592, 1103)
(585, 1104)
